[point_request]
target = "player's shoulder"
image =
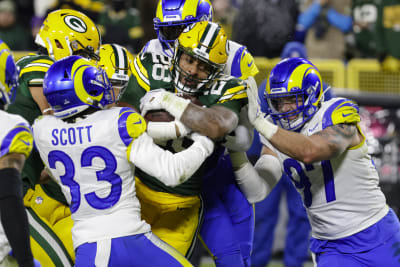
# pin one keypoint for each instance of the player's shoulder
(16, 134)
(34, 59)
(130, 123)
(338, 110)
(240, 62)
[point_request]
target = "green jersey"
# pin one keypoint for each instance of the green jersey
(387, 29)
(151, 71)
(33, 68)
(365, 14)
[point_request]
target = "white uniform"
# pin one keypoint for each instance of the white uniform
(91, 161)
(240, 63)
(342, 195)
(15, 137)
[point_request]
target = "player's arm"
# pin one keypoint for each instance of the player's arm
(257, 181)
(12, 210)
(34, 74)
(40, 99)
(323, 145)
(171, 169)
(214, 122)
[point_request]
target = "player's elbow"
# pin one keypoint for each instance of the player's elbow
(309, 155)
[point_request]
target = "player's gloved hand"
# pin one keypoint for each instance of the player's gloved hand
(162, 99)
(257, 117)
(390, 64)
(151, 96)
(204, 141)
(253, 107)
(241, 138)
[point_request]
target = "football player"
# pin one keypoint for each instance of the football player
(94, 165)
(231, 213)
(196, 71)
(16, 145)
(64, 32)
(321, 147)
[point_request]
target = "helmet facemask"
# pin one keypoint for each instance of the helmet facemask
(296, 118)
(184, 81)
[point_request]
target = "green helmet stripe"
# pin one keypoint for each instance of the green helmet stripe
(121, 59)
(208, 38)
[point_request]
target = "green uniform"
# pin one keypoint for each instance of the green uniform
(151, 71)
(47, 209)
(365, 14)
(33, 68)
(388, 28)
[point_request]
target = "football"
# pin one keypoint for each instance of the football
(158, 115)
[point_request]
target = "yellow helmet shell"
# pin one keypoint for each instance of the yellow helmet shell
(116, 61)
(66, 31)
(205, 40)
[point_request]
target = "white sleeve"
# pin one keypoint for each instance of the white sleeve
(161, 131)
(257, 182)
(171, 169)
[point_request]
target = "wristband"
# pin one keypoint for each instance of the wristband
(174, 104)
(264, 127)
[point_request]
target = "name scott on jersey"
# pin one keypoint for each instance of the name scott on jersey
(71, 135)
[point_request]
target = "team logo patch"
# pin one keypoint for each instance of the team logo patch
(75, 23)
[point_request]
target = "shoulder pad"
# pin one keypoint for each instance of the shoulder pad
(242, 64)
(232, 89)
(130, 125)
(341, 110)
(18, 140)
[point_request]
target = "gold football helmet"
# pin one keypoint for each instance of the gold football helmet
(206, 42)
(116, 61)
(66, 32)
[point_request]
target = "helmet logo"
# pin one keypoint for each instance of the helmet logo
(75, 23)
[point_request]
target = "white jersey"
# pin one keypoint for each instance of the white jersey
(240, 63)
(15, 137)
(91, 161)
(341, 195)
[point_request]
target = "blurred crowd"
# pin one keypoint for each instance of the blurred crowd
(341, 29)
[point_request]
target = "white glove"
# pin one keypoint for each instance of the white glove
(256, 116)
(162, 99)
(204, 141)
(151, 96)
(254, 105)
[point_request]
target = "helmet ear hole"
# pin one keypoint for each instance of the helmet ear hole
(58, 44)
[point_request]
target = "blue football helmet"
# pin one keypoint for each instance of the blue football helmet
(298, 81)
(73, 84)
(9, 73)
(172, 16)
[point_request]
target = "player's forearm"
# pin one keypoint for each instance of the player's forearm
(13, 216)
(256, 182)
(214, 123)
(171, 169)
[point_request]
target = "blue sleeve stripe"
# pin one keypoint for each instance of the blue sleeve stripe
(327, 118)
(236, 71)
(7, 141)
(123, 131)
